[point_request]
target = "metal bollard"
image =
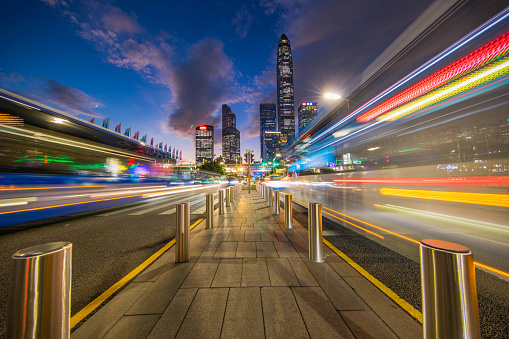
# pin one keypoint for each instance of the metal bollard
(288, 211)
(231, 194)
(182, 241)
(315, 232)
(209, 210)
(221, 201)
(40, 293)
(276, 202)
(449, 295)
(263, 191)
(270, 197)
(227, 197)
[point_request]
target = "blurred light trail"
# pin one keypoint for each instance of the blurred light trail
(461, 197)
(91, 201)
(487, 53)
(47, 188)
(500, 17)
(152, 195)
(498, 181)
(449, 218)
(132, 190)
(16, 201)
(350, 223)
(466, 82)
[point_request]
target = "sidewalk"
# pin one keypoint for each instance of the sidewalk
(250, 278)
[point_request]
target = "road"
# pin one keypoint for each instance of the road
(107, 243)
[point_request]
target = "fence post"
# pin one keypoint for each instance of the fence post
(40, 294)
(449, 295)
(276, 202)
(182, 241)
(288, 211)
(209, 210)
(315, 232)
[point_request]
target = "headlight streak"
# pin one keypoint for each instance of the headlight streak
(487, 199)
(134, 190)
(47, 188)
(483, 55)
(449, 218)
(495, 181)
(445, 53)
(152, 195)
(16, 201)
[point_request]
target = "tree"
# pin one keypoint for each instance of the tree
(213, 166)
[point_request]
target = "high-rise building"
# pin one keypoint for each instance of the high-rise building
(204, 144)
(268, 121)
(307, 112)
(274, 144)
(231, 136)
(285, 104)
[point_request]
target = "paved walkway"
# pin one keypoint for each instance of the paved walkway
(249, 277)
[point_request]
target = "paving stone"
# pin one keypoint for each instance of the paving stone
(138, 326)
(244, 316)
(236, 235)
(319, 314)
(246, 250)
(281, 236)
(254, 272)
(366, 324)
(285, 249)
(170, 320)
(281, 315)
(202, 274)
(302, 272)
(268, 236)
(228, 274)
(265, 249)
(252, 236)
(205, 316)
(226, 249)
(159, 294)
(281, 272)
(106, 317)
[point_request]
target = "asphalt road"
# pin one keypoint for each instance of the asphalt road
(107, 243)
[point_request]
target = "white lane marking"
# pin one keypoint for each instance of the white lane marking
(173, 210)
(153, 209)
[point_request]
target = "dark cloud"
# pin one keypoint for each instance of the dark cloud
(242, 22)
(52, 93)
(200, 84)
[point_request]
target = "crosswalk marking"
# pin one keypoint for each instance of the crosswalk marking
(169, 211)
(152, 209)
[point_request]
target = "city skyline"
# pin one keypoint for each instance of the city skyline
(128, 63)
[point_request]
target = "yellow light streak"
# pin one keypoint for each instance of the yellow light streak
(119, 284)
(350, 223)
(462, 197)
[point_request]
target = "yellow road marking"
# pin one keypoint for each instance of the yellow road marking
(462, 197)
(119, 284)
(348, 222)
(47, 188)
(386, 290)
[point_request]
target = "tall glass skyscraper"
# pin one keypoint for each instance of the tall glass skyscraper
(204, 144)
(231, 136)
(307, 112)
(268, 122)
(285, 104)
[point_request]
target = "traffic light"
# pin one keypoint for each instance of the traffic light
(245, 157)
(274, 164)
(252, 158)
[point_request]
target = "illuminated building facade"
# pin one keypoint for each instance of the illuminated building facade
(230, 136)
(268, 121)
(274, 143)
(204, 144)
(285, 103)
(307, 112)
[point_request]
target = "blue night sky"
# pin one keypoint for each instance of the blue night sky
(161, 66)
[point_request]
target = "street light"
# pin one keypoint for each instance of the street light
(332, 96)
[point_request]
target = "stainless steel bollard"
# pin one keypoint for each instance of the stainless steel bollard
(288, 211)
(40, 293)
(221, 201)
(182, 241)
(209, 210)
(315, 232)
(227, 197)
(231, 194)
(270, 197)
(263, 191)
(276, 202)
(449, 295)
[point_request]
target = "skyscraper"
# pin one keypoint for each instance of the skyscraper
(285, 104)
(231, 136)
(307, 112)
(274, 143)
(204, 144)
(268, 121)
